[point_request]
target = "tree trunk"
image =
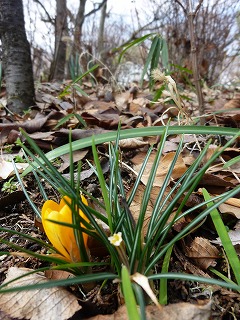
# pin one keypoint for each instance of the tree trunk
(17, 65)
(78, 26)
(101, 32)
(80, 20)
(58, 67)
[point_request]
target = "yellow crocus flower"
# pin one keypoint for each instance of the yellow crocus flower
(62, 237)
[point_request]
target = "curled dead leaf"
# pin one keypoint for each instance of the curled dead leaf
(132, 143)
(143, 281)
(203, 252)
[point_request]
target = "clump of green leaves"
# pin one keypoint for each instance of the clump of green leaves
(132, 252)
(158, 51)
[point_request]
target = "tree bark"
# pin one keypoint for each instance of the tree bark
(58, 71)
(79, 23)
(101, 31)
(17, 65)
(78, 26)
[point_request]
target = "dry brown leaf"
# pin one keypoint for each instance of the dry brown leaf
(136, 204)
(233, 202)
(203, 252)
(122, 99)
(105, 120)
(51, 304)
(230, 206)
(94, 106)
(228, 154)
(170, 146)
(188, 138)
(176, 311)
(41, 135)
(162, 169)
(188, 159)
(77, 156)
(227, 208)
(209, 179)
(232, 104)
(142, 101)
(132, 143)
(63, 134)
(57, 274)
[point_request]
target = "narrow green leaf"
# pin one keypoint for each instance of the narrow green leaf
(81, 120)
(79, 89)
(224, 237)
(231, 162)
(103, 185)
(163, 296)
(189, 277)
(34, 207)
(154, 44)
(220, 275)
(131, 44)
(141, 299)
(155, 60)
(64, 120)
(128, 294)
(69, 116)
(164, 56)
(157, 256)
(133, 133)
(66, 282)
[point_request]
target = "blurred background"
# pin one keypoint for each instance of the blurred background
(67, 35)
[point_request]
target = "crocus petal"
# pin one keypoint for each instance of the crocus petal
(62, 237)
(49, 204)
(52, 230)
(65, 211)
(66, 234)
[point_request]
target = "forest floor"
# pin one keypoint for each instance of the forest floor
(102, 110)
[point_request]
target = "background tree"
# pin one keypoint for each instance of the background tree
(67, 28)
(58, 71)
(100, 45)
(80, 18)
(17, 65)
(215, 25)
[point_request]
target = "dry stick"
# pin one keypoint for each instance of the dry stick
(191, 15)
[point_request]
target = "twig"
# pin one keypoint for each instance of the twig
(100, 5)
(50, 19)
(181, 5)
(198, 7)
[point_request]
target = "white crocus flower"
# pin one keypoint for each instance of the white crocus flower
(116, 239)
